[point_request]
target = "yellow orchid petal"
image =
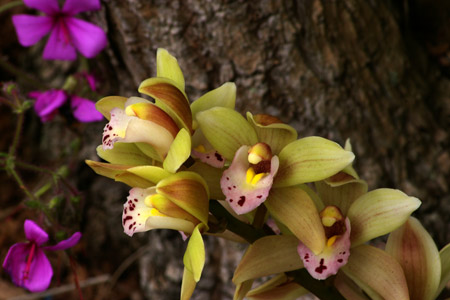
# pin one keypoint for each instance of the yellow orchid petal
(223, 96)
(179, 151)
(412, 246)
(377, 273)
(106, 104)
(295, 209)
(444, 255)
(167, 66)
(279, 287)
(310, 159)
(379, 212)
(268, 255)
(124, 154)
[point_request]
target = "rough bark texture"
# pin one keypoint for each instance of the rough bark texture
(372, 71)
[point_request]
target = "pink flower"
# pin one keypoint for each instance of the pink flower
(27, 264)
(67, 34)
(48, 102)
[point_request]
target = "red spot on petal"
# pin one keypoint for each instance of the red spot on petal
(259, 196)
(241, 200)
(218, 156)
(126, 219)
(340, 260)
(231, 200)
(321, 267)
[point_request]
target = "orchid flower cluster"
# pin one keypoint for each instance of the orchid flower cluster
(202, 168)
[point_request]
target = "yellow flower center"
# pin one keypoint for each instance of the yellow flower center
(252, 177)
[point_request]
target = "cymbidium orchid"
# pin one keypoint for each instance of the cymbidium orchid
(161, 130)
(27, 264)
(367, 215)
(67, 33)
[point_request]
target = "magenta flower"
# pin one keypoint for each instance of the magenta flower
(27, 264)
(67, 34)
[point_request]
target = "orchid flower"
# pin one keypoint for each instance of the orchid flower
(161, 130)
(67, 33)
(350, 216)
(27, 264)
(47, 103)
(265, 156)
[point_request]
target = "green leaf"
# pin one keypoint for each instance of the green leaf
(379, 212)
(310, 159)
(268, 255)
(412, 246)
(223, 96)
(226, 130)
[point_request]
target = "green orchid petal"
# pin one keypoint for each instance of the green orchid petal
(341, 190)
(377, 273)
(194, 257)
(189, 191)
(226, 130)
(105, 105)
(151, 173)
(242, 289)
(277, 135)
(223, 96)
(149, 151)
(412, 246)
(379, 212)
(279, 287)
(310, 159)
(170, 98)
(124, 154)
(314, 197)
(187, 285)
(212, 177)
(179, 151)
(119, 173)
(445, 268)
(295, 209)
(167, 67)
(268, 255)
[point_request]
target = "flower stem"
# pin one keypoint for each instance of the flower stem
(10, 5)
(75, 276)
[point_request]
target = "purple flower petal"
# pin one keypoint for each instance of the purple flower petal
(59, 45)
(50, 7)
(48, 102)
(34, 233)
(84, 110)
(67, 243)
(30, 29)
(92, 81)
(88, 38)
(73, 7)
(39, 273)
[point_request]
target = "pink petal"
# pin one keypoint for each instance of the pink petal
(40, 271)
(92, 81)
(135, 211)
(59, 45)
(212, 158)
(88, 38)
(67, 243)
(331, 259)
(50, 7)
(73, 7)
(84, 110)
(242, 196)
(34, 233)
(30, 29)
(48, 102)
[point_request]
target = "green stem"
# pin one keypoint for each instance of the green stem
(21, 184)
(15, 142)
(10, 5)
(246, 231)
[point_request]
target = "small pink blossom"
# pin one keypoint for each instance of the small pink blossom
(67, 33)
